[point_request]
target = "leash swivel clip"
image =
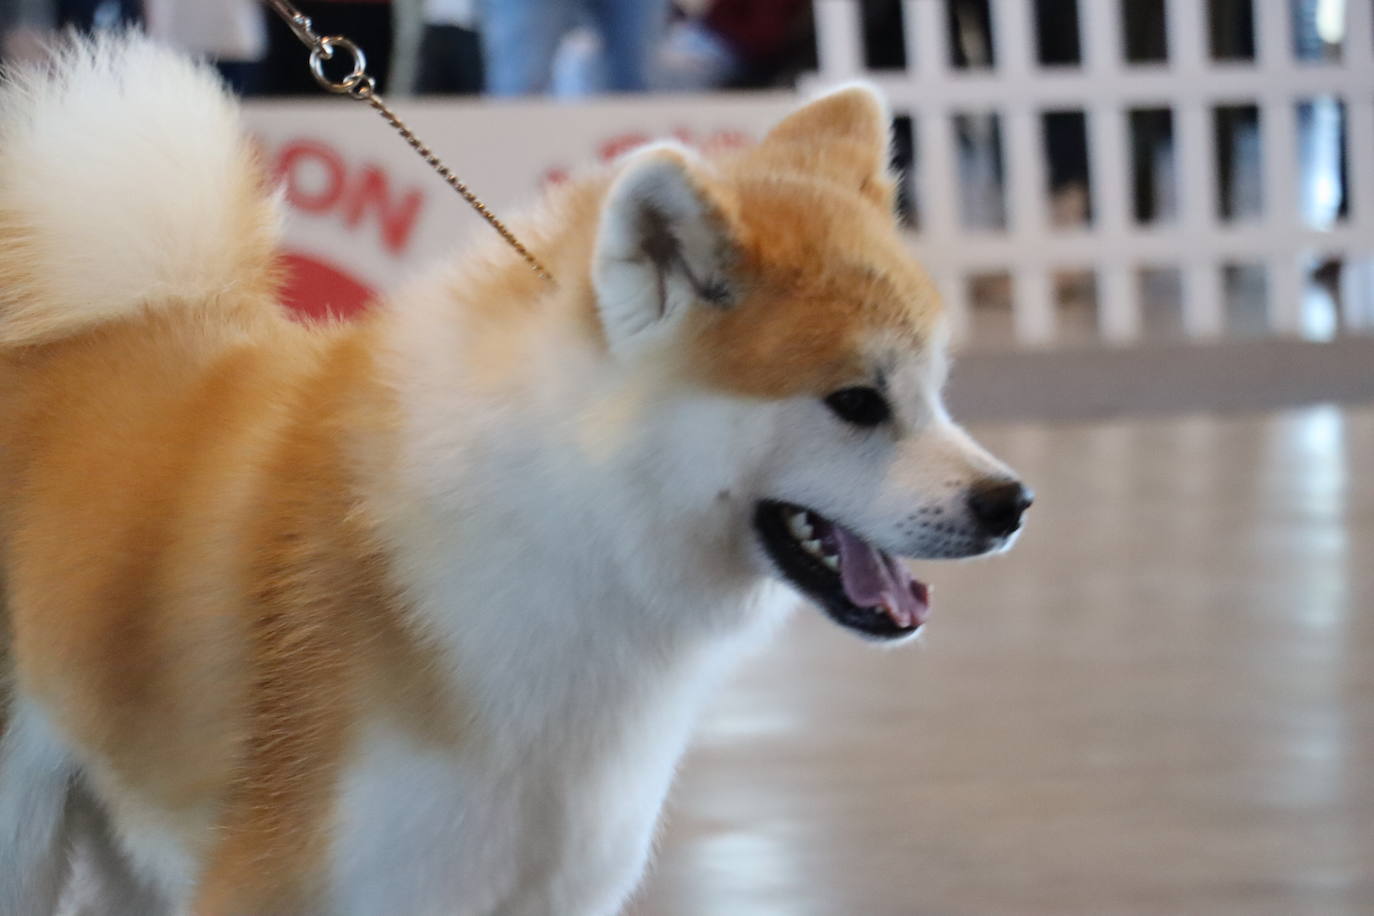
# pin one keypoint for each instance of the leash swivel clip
(361, 85)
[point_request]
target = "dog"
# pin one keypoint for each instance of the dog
(411, 615)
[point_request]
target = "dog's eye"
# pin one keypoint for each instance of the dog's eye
(861, 406)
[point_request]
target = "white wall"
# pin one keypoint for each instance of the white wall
(361, 202)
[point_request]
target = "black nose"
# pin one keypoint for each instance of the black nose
(998, 505)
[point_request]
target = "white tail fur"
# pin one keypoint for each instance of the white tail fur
(125, 183)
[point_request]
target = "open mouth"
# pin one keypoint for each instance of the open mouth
(858, 585)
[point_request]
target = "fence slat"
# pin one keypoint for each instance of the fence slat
(937, 176)
(1359, 126)
(1357, 55)
(839, 39)
(1202, 306)
(1118, 301)
(1100, 40)
(1278, 130)
(954, 293)
(937, 173)
(1274, 36)
(1023, 161)
(1110, 178)
(1204, 314)
(1284, 285)
(1013, 38)
(927, 47)
(1357, 294)
(1033, 305)
(1186, 31)
(1023, 164)
(1118, 306)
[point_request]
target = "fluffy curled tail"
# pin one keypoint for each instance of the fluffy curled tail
(126, 184)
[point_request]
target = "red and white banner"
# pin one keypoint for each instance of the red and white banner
(365, 212)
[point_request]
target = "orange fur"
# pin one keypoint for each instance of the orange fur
(825, 275)
(196, 586)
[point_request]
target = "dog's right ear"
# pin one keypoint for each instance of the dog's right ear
(844, 134)
(667, 242)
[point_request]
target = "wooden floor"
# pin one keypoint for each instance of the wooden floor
(1162, 702)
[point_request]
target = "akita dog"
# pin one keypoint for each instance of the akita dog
(411, 616)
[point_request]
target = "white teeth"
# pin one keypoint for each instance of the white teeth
(796, 523)
(805, 534)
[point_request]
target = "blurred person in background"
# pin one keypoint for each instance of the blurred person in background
(735, 44)
(232, 33)
(286, 71)
(451, 60)
(25, 25)
(88, 15)
(522, 38)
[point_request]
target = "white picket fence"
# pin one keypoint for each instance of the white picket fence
(1115, 247)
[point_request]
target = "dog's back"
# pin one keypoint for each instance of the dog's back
(173, 527)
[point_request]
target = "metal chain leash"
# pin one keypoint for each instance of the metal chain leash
(359, 84)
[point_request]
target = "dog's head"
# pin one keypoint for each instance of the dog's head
(776, 282)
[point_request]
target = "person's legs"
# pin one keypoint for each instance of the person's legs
(368, 24)
(579, 67)
(450, 61)
(692, 58)
(77, 14)
(98, 14)
(243, 76)
(631, 31)
(519, 38)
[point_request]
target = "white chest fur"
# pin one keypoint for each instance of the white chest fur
(563, 825)
(584, 565)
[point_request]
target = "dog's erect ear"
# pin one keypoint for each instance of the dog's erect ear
(845, 134)
(855, 112)
(667, 242)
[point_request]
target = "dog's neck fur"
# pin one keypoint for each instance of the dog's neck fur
(617, 575)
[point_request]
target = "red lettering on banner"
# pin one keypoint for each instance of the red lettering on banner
(397, 217)
(354, 196)
(299, 151)
(725, 140)
(620, 144)
(556, 175)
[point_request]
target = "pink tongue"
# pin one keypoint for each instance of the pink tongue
(871, 578)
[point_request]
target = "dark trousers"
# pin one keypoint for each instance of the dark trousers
(87, 14)
(450, 62)
(243, 76)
